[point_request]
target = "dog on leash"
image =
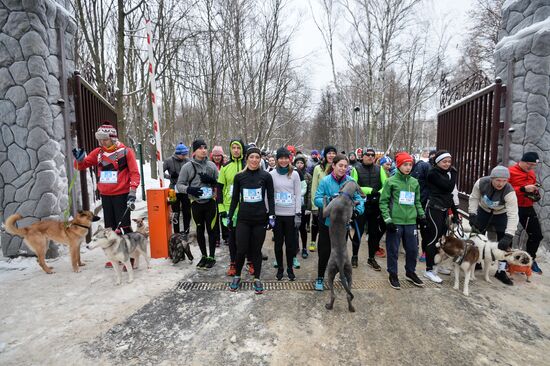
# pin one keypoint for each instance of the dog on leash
(141, 226)
(120, 248)
(465, 255)
(340, 211)
(525, 269)
(37, 236)
(179, 246)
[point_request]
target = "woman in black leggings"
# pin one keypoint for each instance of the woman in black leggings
(250, 188)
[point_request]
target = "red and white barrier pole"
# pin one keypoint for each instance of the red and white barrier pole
(153, 84)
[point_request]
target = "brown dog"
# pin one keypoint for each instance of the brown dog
(37, 235)
(465, 255)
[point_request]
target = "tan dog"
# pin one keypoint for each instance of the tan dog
(141, 226)
(465, 255)
(37, 235)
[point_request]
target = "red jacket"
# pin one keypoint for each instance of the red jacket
(520, 178)
(122, 160)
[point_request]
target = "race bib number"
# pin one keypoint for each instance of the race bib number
(206, 193)
(491, 204)
(406, 198)
(109, 177)
(283, 199)
(252, 195)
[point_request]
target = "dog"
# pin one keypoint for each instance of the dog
(340, 211)
(465, 255)
(490, 253)
(141, 226)
(178, 246)
(120, 248)
(37, 236)
(526, 270)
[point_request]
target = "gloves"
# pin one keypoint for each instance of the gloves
(131, 202)
(297, 221)
(422, 222)
(473, 222)
(174, 175)
(505, 243)
(390, 227)
(456, 217)
(206, 179)
(224, 218)
(79, 154)
(194, 191)
(374, 196)
(307, 212)
(271, 222)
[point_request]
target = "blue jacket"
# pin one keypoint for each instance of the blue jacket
(329, 187)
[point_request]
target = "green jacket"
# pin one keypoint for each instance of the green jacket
(404, 187)
(227, 175)
(318, 174)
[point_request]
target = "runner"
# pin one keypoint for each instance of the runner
(300, 163)
(216, 156)
(172, 166)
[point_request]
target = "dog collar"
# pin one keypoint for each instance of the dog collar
(84, 226)
(346, 194)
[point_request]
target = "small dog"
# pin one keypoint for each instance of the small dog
(178, 247)
(525, 268)
(340, 211)
(121, 248)
(465, 255)
(37, 236)
(141, 226)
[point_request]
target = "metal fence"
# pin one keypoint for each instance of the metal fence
(469, 130)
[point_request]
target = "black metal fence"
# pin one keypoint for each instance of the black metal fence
(469, 130)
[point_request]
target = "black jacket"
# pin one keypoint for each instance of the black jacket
(441, 184)
(173, 165)
(420, 172)
(253, 212)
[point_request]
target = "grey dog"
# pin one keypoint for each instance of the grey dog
(340, 211)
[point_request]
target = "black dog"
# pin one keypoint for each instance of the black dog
(178, 247)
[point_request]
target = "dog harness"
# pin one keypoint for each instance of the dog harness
(459, 259)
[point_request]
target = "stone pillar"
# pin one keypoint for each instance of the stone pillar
(524, 52)
(33, 179)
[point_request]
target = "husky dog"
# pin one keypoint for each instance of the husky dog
(465, 255)
(121, 248)
(178, 246)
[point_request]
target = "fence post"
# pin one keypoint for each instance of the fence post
(495, 127)
(140, 152)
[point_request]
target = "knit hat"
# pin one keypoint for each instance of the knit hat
(291, 149)
(197, 144)
(253, 150)
(217, 150)
(300, 157)
(358, 152)
(440, 155)
(282, 152)
(328, 149)
(368, 149)
(181, 149)
(530, 157)
(385, 159)
(314, 152)
(500, 172)
(402, 158)
(105, 132)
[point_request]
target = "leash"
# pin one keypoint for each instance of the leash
(122, 218)
(67, 211)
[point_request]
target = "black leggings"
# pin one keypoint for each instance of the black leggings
(437, 227)
(221, 230)
(314, 226)
(285, 233)
(303, 231)
(184, 205)
(250, 239)
(323, 249)
(113, 209)
(530, 222)
(204, 215)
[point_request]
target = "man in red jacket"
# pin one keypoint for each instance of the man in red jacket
(524, 181)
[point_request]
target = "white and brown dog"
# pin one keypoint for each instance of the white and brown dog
(465, 255)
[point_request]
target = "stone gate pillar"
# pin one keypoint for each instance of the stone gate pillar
(524, 53)
(33, 179)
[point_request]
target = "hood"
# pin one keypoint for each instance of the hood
(241, 143)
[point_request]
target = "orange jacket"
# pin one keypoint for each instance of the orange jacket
(520, 178)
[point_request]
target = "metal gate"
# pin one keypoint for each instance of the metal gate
(469, 129)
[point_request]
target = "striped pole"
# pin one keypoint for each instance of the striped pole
(153, 84)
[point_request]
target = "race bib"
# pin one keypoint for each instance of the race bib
(206, 193)
(491, 204)
(231, 190)
(283, 199)
(109, 177)
(251, 195)
(406, 198)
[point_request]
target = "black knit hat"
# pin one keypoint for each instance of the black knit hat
(328, 149)
(300, 157)
(197, 144)
(253, 150)
(530, 157)
(282, 152)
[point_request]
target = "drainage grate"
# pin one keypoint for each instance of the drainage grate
(299, 285)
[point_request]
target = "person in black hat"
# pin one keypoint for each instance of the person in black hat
(524, 181)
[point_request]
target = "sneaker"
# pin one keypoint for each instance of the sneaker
(312, 246)
(305, 253)
(108, 265)
(354, 261)
(432, 276)
(210, 262)
(202, 262)
(422, 257)
(381, 253)
(503, 277)
(234, 286)
(319, 284)
(443, 271)
(250, 268)
(394, 281)
(290, 273)
(232, 271)
(258, 287)
(295, 263)
(275, 265)
(535, 268)
(412, 277)
(280, 273)
(374, 264)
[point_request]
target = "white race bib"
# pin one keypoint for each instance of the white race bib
(406, 198)
(490, 203)
(206, 193)
(283, 199)
(109, 177)
(251, 195)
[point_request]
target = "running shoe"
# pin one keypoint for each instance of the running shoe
(258, 287)
(319, 284)
(412, 277)
(394, 281)
(290, 273)
(305, 253)
(232, 271)
(374, 264)
(381, 253)
(250, 268)
(422, 257)
(295, 263)
(202, 262)
(312, 246)
(535, 268)
(432, 276)
(210, 262)
(234, 286)
(354, 261)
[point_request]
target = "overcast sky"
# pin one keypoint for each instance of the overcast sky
(308, 43)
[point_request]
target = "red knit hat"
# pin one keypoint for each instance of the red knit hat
(402, 157)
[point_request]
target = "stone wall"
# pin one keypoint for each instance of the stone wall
(525, 45)
(33, 179)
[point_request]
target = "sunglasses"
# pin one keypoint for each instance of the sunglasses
(371, 155)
